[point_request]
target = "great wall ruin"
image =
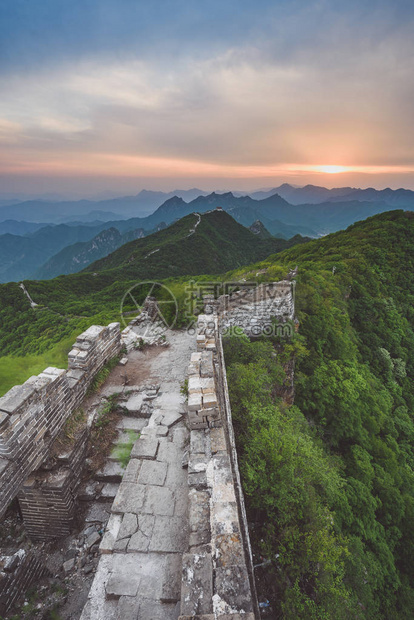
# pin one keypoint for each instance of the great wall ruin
(176, 541)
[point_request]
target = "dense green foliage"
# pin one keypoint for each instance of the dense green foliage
(70, 304)
(331, 479)
(218, 244)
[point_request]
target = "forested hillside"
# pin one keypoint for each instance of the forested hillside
(208, 243)
(329, 481)
(67, 305)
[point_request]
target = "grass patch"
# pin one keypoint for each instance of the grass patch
(122, 451)
(102, 375)
(184, 388)
(16, 370)
(104, 431)
(74, 425)
(105, 413)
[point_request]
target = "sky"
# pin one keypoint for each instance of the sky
(121, 95)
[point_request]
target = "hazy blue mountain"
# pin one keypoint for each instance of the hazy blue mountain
(306, 219)
(248, 215)
(399, 198)
(21, 259)
(59, 211)
(21, 256)
(92, 216)
(20, 228)
(310, 194)
(17, 256)
(74, 258)
(314, 194)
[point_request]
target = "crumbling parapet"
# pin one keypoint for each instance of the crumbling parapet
(18, 573)
(217, 573)
(203, 409)
(254, 310)
(47, 498)
(32, 414)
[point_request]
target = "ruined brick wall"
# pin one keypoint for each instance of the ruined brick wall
(32, 414)
(218, 574)
(47, 499)
(254, 310)
(217, 577)
(203, 411)
(17, 574)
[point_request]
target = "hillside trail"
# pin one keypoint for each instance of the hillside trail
(192, 231)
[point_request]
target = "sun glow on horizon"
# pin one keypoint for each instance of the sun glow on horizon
(332, 169)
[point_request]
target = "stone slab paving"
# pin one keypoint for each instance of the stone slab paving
(139, 573)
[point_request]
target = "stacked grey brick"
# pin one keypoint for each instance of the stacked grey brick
(20, 572)
(47, 499)
(217, 571)
(253, 310)
(32, 414)
(203, 409)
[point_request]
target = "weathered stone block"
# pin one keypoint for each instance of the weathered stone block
(128, 526)
(125, 577)
(145, 448)
(169, 419)
(197, 585)
(233, 590)
(198, 480)
(130, 498)
(132, 470)
(153, 472)
(195, 401)
(218, 440)
(170, 535)
(197, 442)
(197, 463)
(171, 583)
(199, 510)
(228, 550)
(159, 501)
(128, 608)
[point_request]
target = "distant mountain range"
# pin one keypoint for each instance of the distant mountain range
(314, 194)
(146, 201)
(61, 249)
(280, 217)
(57, 212)
(194, 244)
(30, 249)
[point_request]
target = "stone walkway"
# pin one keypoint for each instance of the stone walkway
(139, 572)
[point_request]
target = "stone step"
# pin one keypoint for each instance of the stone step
(109, 491)
(131, 424)
(111, 472)
(90, 491)
(98, 492)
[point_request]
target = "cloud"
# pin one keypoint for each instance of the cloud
(222, 86)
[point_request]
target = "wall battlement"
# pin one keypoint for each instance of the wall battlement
(32, 414)
(253, 310)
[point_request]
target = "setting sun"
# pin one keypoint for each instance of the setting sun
(332, 169)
